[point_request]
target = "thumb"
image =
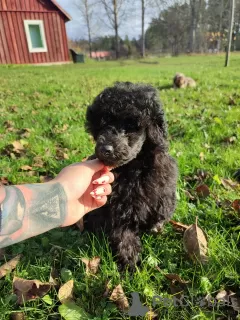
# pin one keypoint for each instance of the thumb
(94, 165)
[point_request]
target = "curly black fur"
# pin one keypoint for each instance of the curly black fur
(128, 125)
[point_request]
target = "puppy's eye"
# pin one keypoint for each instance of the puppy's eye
(132, 127)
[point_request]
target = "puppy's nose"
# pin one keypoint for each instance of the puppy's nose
(107, 150)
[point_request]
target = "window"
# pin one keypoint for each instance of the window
(35, 35)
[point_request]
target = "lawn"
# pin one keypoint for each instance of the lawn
(44, 108)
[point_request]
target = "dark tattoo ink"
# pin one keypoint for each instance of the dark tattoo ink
(46, 210)
(12, 211)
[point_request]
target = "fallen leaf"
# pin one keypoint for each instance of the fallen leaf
(54, 276)
(70, 311)
(92, 265)
(229, 184)
(179, 226)
(26, 168)
(230, 140)
(4, 181)
(188, 195)
(29, 289)
(235, 302)
(25, 133)
(222, 295)
(195, 243)
(17, 316)
(9, 266)
(118, 296)
(80, 224)
(61, 154)
(65, 293)
(151, 315)
(17, 146)
(44, 179)
(175, 277)
(202, 174)
(236, 205)
(38, 162)
(203, 191)
(13, 108)
(201, 156)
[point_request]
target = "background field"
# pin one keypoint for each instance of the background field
(204, 130)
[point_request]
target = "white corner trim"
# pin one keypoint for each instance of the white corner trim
(42, 33)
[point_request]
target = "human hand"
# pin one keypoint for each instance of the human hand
(83, 192)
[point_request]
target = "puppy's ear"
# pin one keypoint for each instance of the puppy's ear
(157, 127)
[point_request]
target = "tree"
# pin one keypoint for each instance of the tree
(230, 32)
(114, 11)
(86, 9)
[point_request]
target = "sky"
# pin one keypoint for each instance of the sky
(76, 28)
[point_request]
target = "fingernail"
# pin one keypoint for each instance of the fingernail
(102, 180)
(96, 197)
(98, 191)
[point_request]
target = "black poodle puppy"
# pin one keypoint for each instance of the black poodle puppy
(128, 125)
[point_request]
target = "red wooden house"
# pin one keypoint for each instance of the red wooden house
(33, 32)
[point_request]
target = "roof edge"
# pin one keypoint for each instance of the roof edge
(68, 17)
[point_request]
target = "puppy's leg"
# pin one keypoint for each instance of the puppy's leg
(127, 245)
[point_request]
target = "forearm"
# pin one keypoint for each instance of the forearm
(30, 210)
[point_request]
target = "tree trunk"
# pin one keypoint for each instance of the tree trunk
(231, 19)
(143, 27)
(89, 28)
(219, 42)
(193, 26)
(116, 28)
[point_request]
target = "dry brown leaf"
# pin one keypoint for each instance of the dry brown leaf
(9, 266)
(222, 295)
(25, 133)
(17, 146)
(54, 276)
(26, 168)
(195, 243)
(44, 179)
(175, 277)
(118, 296)
(92, 265)
(230, 140)
(18, 316)
(61, 154)
(65, 293)
(151, 315)
(13, 108)
(38, 162)
(26, 290)
(188, 195)
(178, 226)
(236, 205)
(203, 191)
(235, 302)
(201, 156)
(4, 181)
(229, 184)
(80, 224)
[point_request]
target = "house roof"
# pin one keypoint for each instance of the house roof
(68, 17)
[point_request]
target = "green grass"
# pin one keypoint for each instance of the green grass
(46, 99)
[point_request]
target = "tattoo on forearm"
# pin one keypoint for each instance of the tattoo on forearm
(21, 219)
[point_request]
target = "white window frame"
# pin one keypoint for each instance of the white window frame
(42, 33)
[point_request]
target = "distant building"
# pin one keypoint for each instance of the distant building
(102, 55)
(33, 32)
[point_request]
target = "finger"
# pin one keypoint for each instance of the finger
(107, 177)
(101, 201)
(101, 191)
(95, 165)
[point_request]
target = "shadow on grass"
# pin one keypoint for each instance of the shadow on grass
(165, 87)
